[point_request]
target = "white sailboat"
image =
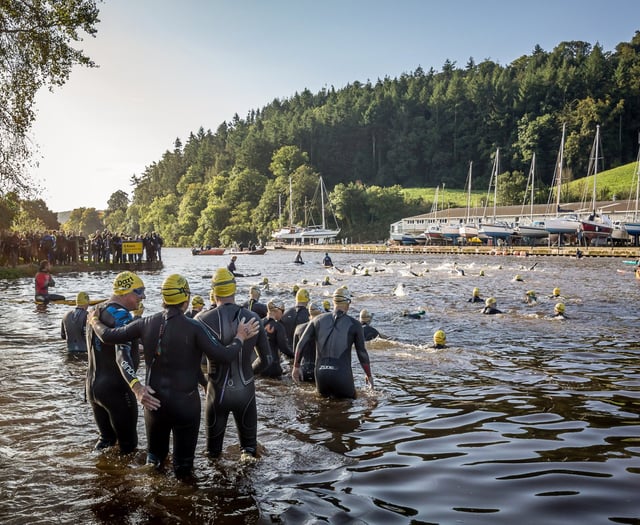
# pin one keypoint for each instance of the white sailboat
(567, 222)
(596, 226)
(320, 233)
(433, 233)
(494, 228)
(291, 233)
(528, 227)
(469, 229)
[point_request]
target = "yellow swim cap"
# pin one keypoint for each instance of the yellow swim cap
(265, 280)
(127, 282)
(490, 301)
(517, 278)
(560, 308)
(302, 296)
(365, 316)
(326, 280)
(530, 293)
(556, 292)
(295, 288)
(476, 292)
(275, 304)
(82, 299)
(223, 283)
(326, 305)
(439, 337)
(342, 295)
(197, 300)
(175, 289)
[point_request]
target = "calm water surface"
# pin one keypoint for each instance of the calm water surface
(521, 420)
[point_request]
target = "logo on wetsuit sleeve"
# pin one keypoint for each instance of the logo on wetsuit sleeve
(128, 369)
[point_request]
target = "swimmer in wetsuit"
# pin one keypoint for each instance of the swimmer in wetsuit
(231, 387)
(308, 353)
(490, 307)
(278, 342)
(73, 325)
(114, 405)
(369, 331)
(297, 314)
(254, 303)
(173, 348)
(475, 296)
(197, 304)
(44, 281)
(334, 335)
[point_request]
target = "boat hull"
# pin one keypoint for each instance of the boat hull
(210, 251)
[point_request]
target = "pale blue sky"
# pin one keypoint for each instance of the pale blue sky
(168, 67)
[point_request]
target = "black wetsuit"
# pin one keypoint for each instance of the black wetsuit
(308, 354)
(114, 405)
(277, 343)
(231, 387)
(257, 307)
(490, 310)
(173, 348)
(475, 299)
(335, 334)
(73, 329)
(291, 318)
(369, 332)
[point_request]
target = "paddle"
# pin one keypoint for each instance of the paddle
(236, 275)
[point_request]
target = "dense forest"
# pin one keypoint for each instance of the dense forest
(370, 140)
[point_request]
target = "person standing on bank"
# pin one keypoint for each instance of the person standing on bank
(44, 281)
(231, 387)
(114, 405)
(335, 334)
(73, 325)
(173, 347)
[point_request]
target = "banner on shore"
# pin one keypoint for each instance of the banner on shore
(132, 248)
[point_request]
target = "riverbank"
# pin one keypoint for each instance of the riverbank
(30, 270)
(626, 252)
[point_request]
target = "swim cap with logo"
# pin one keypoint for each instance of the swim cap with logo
(197, 300)
(175, 289)
(126, 282)
(223, 283)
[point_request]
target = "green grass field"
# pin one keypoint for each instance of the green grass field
(619, 183)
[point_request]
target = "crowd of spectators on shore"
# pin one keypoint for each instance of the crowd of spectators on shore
(59, 247)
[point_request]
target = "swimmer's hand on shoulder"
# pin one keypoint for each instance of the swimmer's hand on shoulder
(247, 329)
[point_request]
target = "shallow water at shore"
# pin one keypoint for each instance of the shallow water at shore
(521, 419)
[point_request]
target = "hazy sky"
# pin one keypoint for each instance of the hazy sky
(169, 67)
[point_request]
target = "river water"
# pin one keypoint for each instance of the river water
(522, 419)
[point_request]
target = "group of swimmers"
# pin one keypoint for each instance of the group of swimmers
(237, 343)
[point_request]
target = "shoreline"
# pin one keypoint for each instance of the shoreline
(30, 270)
(627, 252)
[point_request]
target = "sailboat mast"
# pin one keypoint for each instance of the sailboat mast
(322, 201)
(495, 183)
(290, 202)
(559, 168)
(533, 174)
(635, 215)
(469, 190)
(596, 147)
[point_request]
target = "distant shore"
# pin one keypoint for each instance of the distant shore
(30, 270)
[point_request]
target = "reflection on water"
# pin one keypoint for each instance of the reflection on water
(522, 419)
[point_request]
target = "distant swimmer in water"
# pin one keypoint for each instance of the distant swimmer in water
(456, 270)
(399, 290)
(490, 307)
(326, 281)
(73, 326)
(559, 312)
(298, 259)
(365, 320)
(530, 297)
(327, 262)
(518, 278)
(555, 294)
(413, 315)
(265, 284)
(326, 305)
(475, 296)
(439, 339)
